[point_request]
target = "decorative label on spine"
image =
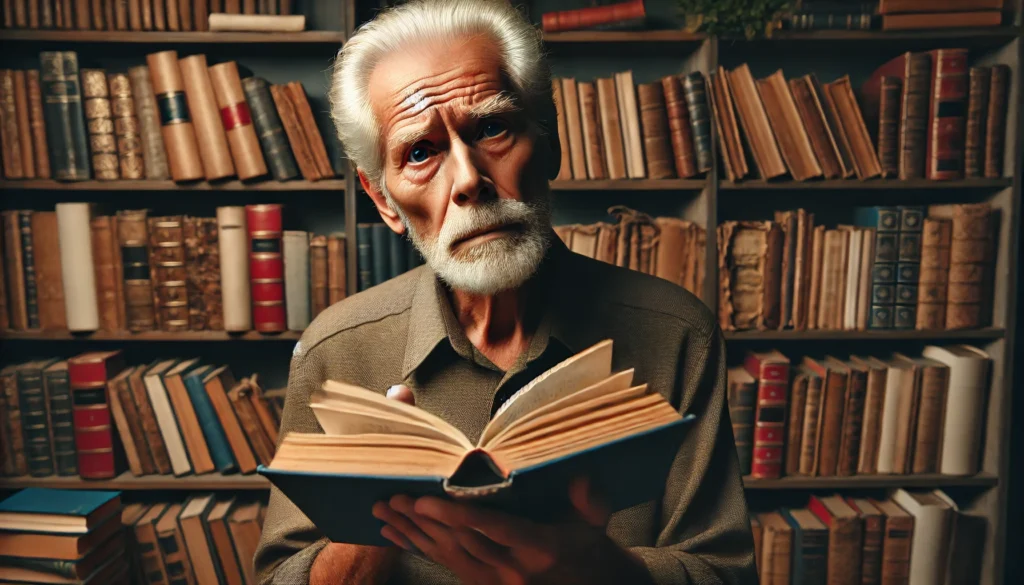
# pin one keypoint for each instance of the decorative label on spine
(179, 134)
(99, 120)
(235, 115)
(173, 108)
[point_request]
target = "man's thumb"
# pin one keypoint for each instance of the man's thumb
(401, 393)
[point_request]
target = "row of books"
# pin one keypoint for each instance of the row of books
(92, 538)
(172, 118)
(910, 537)
(892, 14)
(902, 267)
(667, 247)
(160, 15)
(383, 254)
(90, 414)
(860, 416)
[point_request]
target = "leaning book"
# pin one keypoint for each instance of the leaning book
(578, 419)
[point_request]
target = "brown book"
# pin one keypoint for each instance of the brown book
(574, 128)
(776, 549)
(654, 123)
(297, 96)
(168, 273)
(17, 303)
(971, 259)
(152, 142)
(824, 287)
(933, 279)
(977, 18)
(679, 130)
(741, 400)
(874, 534)
(126, 127)
(675, 257)
(835, 378)
(217, 383)
(593, 149)
(206, 116)
(755, 124)
(202, 263)
(931, 415)
(611, 129)
(188, 422)
(731, 146)
(262, 447)
(583, 239)
(120, 21)
(906, 414)
(109, 277)
(133, 239)
(874, 398)
(172, 545)
(787, 222)
(197, 542)
(565, 167)
(173, 17)
(864, 284)
(147, 422)
(749, 265)
(607, 242)
(135, 15)
(100, 124)
(840, 97)
(889, 125)
(853, 417)
(201, 10)
(132, 448)
(237, 120)
(303, 135)
(758, 533)
(793, 141)
(715, 102)
(244, 527)
(812, 114)
(4, 315)
(179, 133)
(912, 6)
(979, 86)
(148, 545)
(804, 264)
(15, 462)
(82, 14)
(318, 274)
(9, 136)
(995, 121)
(49, 279)
(220, 538)
(21, 113)
(262, 409)
(795, 422)
(812, 420)
(337, 278)
(845, 531)
(37, 125)
(896, 538)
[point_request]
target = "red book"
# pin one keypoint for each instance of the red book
(99, 455)
(266, 267)
(947, 114)
(582, 18)
(845, 535)
(771, 370)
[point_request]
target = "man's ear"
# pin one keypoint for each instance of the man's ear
(390, 216)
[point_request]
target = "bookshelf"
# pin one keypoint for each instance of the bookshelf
(306, 56)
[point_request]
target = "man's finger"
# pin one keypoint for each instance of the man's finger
(485, 550)
(503, 529)
(589, 506)
(389, 532)
(401, 393)
(403, 525)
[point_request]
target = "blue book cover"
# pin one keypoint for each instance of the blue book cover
(810, 547)
(626, 472)
(220, 449)
(74, 511)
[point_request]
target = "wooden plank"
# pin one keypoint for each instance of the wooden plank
(930, 480)
(126, 481)
(65, 37)
(883, 184)
(144, 185)
(878, 335)
(630, 185)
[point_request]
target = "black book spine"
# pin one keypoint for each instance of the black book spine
(399, 254)
(35, 422)
(58, 387)
(365, 256)
(700, 118)
(273, 140)
(381, 253)
(29, 263)
(66, 136)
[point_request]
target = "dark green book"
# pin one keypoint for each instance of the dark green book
(365, 256)
(58, 390)
(810, 547)
(695, 90)
(398, 254)
(886, 223)
(380, 252)
(35, 422)
(66, 136)
(29, 262)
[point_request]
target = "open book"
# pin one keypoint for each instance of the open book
(576, 419)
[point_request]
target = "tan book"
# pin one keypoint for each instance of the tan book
(188, 422)
(795, 422)
(233, 241)
(206, 116)
(149, 550)
(835, 379)
(931, 412)
(179, 133)
(593, 149)
(812, 420)
(154, 154)
(787, 222)
(262, 447)
(127, 129)
(678, 125)
(794, 143)
(584, 240)
(100, 124)
(38, 123)
(749, 273)
(109, 277)
(817, 263)
(851, 293)
(611, 128)
(49, 282)
(574, 128)
(971, 260)
(802, 268)
(654, 125)
(907, 412)
(237, 120)
(337, 281)
(172, 547)
(867, 254)
(318, 274)
(725, 104)
(833, 279)
(899, 532)
(220, 536)
(933, 279)
(607, 242)
(217, 382)
(147, 421)
(675, 256)
(24, 125)
(841, 98)
(259, 404)
(899, 387)
(812, 114)
(565, 167)
(845, 537)
(244, 527)
(715, 102)
(873, 400)
(629, 117)
(755, 124)
(163, 411)
(197, 541)
(776, 549)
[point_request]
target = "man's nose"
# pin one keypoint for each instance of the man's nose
(468, 185)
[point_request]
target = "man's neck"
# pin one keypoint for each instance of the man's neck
(496, 324)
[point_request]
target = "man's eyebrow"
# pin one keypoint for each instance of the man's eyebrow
(406, 139)
(503, 103)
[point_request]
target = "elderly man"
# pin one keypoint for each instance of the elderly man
(445, 107)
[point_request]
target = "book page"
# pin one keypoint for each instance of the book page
(337, 421)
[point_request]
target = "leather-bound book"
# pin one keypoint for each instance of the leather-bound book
(303, 134)
(907, 410)
(771, 370)
(794, 143)
(266, 267)
(874, 396)
(897, 534)
(809, 438)
(695, 91)
(654, 124)
(886, 222)
(133, 239)
(755, 124)
(49, 282)
(216, 384)
(58, 393)
(810, 546)
(148, 421)
(864, 283)
(196, 537)
(874, 534)
(159, 13)
(979, 85)
(135, 21)
(930, 413)
(946, 114)
(24, 126)
(206, 116)
(941, 20)
(296, 279)
(920, 6)
(99, 454)
(120, 16)
(565, 166)
(812, 114)
(787, 222)
(337, 280)
(181, 145)
(611, 128)
(164, 413)
(132, 449)
(965, 400)
(889, 126)
(913, 137)
(237, 120)
(840, 98)
(758, 533)
(144, 532)
(776, 549)
(173, 17)
(126, 127)
(109, 273)
(835, 377)
(802, 268)
(936, 239)
(593, 150)
(365, 255)
(853, 416)
(76, 263)
(262, 446)
(220, 538)
(817, 264)
(685, 157)
(15, 462)
(674, 257)
(381, 247)
(584, 18)
(995, 121)
(152, 141)
(201, 15)
(82, 15)
(845, 537)
(749, 259)
(4, 314)
(574, 127)
(233, 235)
(28, 266)
(724, 114)
(969, 294)
(202, 259)
(795, 423)
(300, 102)
(318, 270)
(35, 421)
(11, 140)
(14, 266)
(46, 13)
(168, 534)
(168, 272)
(629, 117)
(268, 126)
(100, 122)
(40, 152)
(742, 400)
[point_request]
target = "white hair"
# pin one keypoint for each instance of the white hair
(518, 42)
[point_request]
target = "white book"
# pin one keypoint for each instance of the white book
(81, 300)
(296, 279)
(934, 514)
(629, 118)
(852, 279)
(867, 261)
(895, 384)
(165, 419)
(965, 401)
(233, 242)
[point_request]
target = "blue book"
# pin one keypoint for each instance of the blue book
(216, 440)
(810, 547)
(58, 511)
(885, 220)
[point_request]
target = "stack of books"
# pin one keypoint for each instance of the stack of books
(158, 15)
(63, 536)
(861, 415)
(169, 119)
(924, 14)
(91, 415)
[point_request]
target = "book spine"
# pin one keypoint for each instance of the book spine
(296, 279)
(742, 400)
(928, 438)
(29, 268)
(35, 421)
(947, 119)
(168, 272)
(108, 283)
(293, 130)
(304, 116)
(148, 421)
(133, 238)
(46, 13)
(968, 297)
(49, 282)
(694, 88)
(76, 262)
(995, 121)
(584, 18)
(795, 424)
(655, 128)
(202, 105)
(770, 418)
(979, 83)
(889, 126)
(237, 120)
(100, 122)
(12, 163)
(809, 434)
(834, 400)
(66, 136)
(202, 256)
(896, 549)
(135, 14)
(266, 267)
(908, 267)
(23, 125)
(679, 127)
(914, 115)
(574, 129)
(213, 432)
(179, 133)
(886, 222)
(814, 556)
(126, 127)
(124, 432)
(94, 437)
(201, 15)
(271, 133)
(381, 252)
(337, 276)
(38, 125)
(828, 20)
(593, 148)
(120, 15)
(4, 316)
(853, 420)
(232, 235)
(154, 155)
(936, 239)
(65, 454)
(15, 271)
(871, 561)
(318, 268)
(15, 432)
(363, 242)
(169, 540)
(133, 419)
(565, 164)
(150, 560)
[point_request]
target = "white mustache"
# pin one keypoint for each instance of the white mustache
(499, 212)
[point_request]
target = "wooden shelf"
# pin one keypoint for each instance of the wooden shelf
(143, 185)
(973, 36)
(626, 36)
(148, 336)
(877, 335)
(162, 37)
(931, 480)
(630, 185)
(873, 185)
(126, 481)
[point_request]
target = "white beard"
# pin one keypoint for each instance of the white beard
(495, 265)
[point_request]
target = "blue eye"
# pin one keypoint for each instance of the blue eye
(493, 127)
(418, 154)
